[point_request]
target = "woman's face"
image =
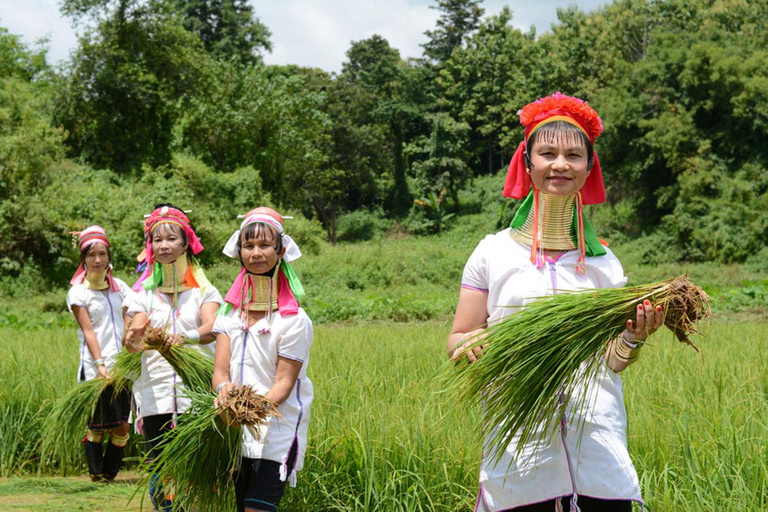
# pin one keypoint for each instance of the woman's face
(559, 166)
(97, 258)
(168, 243)
(259, 254)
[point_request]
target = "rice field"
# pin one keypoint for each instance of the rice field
(384, 437)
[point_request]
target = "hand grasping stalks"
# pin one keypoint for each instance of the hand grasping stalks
(243, 406)
(203, 431)
(194, 368)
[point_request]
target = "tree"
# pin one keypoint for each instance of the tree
(17, 59)
(458, 19)
(227, 28)
(376, 68)
(439, 162)
(127, 84)
(486, 82)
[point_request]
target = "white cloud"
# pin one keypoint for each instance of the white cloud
(316, 33)
(313, 33)
(36, 19)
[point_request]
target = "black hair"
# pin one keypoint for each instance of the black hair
(84, 253)
(258, 230)
(551, 131)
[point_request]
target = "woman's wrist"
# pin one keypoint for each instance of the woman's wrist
(193, 336)
(221, 385)
(99, 362)
(630, 339)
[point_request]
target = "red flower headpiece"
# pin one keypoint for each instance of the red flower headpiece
(533, 114)
(557, 107)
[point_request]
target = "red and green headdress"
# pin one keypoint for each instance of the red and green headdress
(541, 112)
(518, 185)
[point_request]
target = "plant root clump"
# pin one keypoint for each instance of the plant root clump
(244, 406)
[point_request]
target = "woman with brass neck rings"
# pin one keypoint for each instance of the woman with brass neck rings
(263, 338)
(174, 295)
(549, 247)
(96, 300)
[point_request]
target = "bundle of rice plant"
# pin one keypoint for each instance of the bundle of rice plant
(66, 421)
(546, 354)
(194, 367)
(199, 456)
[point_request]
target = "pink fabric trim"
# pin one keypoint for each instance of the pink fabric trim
(263, 218)
(79, 277)
(286, 302)
(475, 288)
(144, 275)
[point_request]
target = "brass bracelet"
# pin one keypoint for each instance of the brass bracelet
(624, 351)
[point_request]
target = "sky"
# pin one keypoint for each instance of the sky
(313, 33)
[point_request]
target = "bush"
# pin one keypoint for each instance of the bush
(361, 225)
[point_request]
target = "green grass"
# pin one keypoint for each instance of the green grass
(384, 438)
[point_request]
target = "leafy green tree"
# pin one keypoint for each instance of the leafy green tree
(31, 152)
(18, 59)
(127, 84)
(227, 28)
(486, 82)
(376, 68)
(439, 161)
(458, 19)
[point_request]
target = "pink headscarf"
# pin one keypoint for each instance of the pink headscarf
(537, 114)
(165, 215)
(86, 238)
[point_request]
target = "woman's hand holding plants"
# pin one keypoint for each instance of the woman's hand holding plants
(647, 321)
(468, 346)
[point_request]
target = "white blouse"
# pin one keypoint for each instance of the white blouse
(253, 361)
(105, 309)
(157, 389)
(588, 454)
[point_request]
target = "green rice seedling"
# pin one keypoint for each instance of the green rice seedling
(553, 348)
(199, 456)
(194, 368)
(65, 424)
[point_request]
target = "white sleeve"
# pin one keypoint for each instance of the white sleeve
(475, 275)
(295, 342)
(611, 271)
(210, 294)
(221, 324)
(76, 297)
(137, 303)
(125, 291)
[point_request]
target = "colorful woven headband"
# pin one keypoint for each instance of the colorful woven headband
(557, 107)
(86, 238)
(170, 215)
(91, 235)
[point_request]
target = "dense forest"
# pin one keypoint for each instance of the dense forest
(169, 100)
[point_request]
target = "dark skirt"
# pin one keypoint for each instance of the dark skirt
(112, 409)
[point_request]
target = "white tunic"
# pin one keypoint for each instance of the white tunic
(588, 458)
(105, 309)
(253, 361)
(157, 389)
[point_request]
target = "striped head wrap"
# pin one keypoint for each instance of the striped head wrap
(86, 238)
